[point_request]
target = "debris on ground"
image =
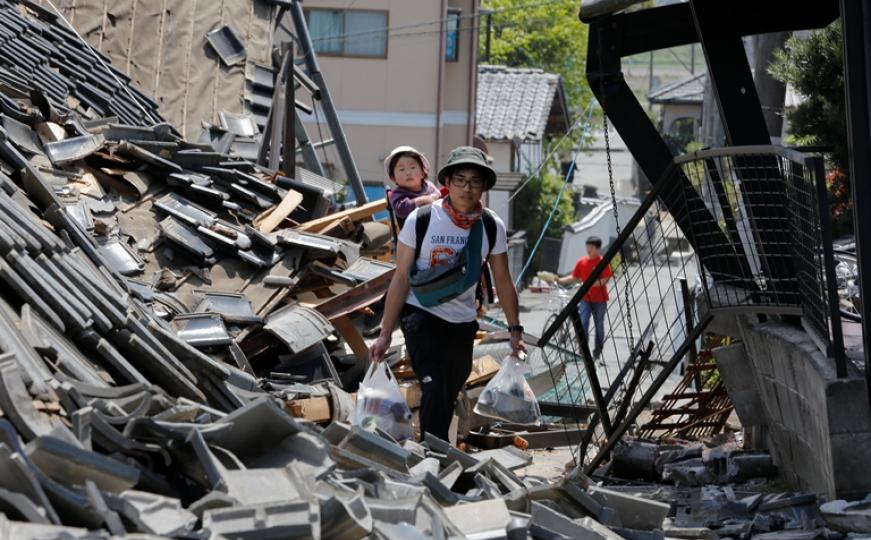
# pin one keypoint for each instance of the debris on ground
(181, 333)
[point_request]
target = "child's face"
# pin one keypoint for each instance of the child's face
(592, 250)
(408, 174)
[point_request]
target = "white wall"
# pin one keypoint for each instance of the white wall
(600, 222)
(499, 203)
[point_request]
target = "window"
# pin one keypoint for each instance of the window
(348, 32)
(452, 41)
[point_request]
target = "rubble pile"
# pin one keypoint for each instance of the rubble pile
(717, 490)
(717, 460)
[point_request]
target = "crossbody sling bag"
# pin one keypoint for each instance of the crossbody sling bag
(443, 283)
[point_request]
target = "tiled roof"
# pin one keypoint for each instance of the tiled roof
(519, 102)
(691, 90)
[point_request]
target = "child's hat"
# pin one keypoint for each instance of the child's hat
(390, 160)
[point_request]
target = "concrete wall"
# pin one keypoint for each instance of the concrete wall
(818, 426)
(501, 152)
(673, 112)
(498, 201)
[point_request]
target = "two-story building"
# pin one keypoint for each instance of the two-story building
(400, 72)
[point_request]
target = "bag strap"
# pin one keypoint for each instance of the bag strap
(490, 228)
(424, 213)
(394, 220)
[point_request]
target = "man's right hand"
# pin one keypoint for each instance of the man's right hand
(379, 348)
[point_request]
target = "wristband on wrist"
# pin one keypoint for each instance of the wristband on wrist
(515, 328)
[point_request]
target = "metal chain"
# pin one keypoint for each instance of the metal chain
(617, 226)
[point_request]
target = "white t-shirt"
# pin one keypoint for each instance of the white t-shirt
(442, 244)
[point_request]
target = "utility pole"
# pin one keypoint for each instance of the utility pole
(650, 75)
(693, 58)
(489, 15)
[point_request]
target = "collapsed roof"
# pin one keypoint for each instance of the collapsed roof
(187, 76)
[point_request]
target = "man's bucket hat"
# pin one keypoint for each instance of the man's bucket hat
(468, 155)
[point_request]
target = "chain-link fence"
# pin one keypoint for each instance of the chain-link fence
(740, 226)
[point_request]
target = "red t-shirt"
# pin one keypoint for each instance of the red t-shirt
(582, 271)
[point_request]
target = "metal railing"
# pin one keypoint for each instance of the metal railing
(742, 225)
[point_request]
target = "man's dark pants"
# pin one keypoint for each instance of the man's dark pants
(441, 356)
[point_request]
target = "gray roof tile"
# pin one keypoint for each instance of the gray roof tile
(515, 102)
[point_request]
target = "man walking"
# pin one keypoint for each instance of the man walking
(595, 302)
(432, 294)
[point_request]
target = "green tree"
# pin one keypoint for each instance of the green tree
(545, 35)
(533, 206)
(814, 67)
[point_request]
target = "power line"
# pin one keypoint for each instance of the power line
(388, 29)
(407, 35)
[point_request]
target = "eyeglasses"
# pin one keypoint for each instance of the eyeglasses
(462, 182)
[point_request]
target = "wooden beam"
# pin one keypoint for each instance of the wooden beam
(315, 409)
(342, 228)
(483, 369)
(355, 214)
(272, 218)
(352, 337)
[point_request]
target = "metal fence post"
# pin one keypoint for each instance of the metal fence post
(836, 343)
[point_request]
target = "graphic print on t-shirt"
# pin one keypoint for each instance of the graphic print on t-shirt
(441, 256)
(443, 251)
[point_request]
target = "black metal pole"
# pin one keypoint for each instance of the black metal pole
(592, 374)
(689, 319)
(836, 333)
(856, 26)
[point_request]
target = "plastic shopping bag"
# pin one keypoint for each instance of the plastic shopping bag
(380, 404)
(508, 397)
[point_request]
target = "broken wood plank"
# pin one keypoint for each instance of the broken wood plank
(355, 214)
(342, 228)
(412, 394)
(483, 369)
(272, 218)
(345, 327)
(315, 409)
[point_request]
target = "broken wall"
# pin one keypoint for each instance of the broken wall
(161, 45)
(818, 426)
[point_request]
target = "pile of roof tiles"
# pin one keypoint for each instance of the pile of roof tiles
(39, 52)
(153, 330)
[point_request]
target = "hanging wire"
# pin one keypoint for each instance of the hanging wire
(581, 122)
(586, 128)
(433, 22)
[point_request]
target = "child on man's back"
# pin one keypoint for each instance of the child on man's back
(409, 170)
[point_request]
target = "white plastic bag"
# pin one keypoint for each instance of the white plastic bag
(380, 403)
(508, 397)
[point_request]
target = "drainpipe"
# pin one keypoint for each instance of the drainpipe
(441, 83)
(473, 73)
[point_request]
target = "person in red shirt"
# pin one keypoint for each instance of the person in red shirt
(595, 302)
